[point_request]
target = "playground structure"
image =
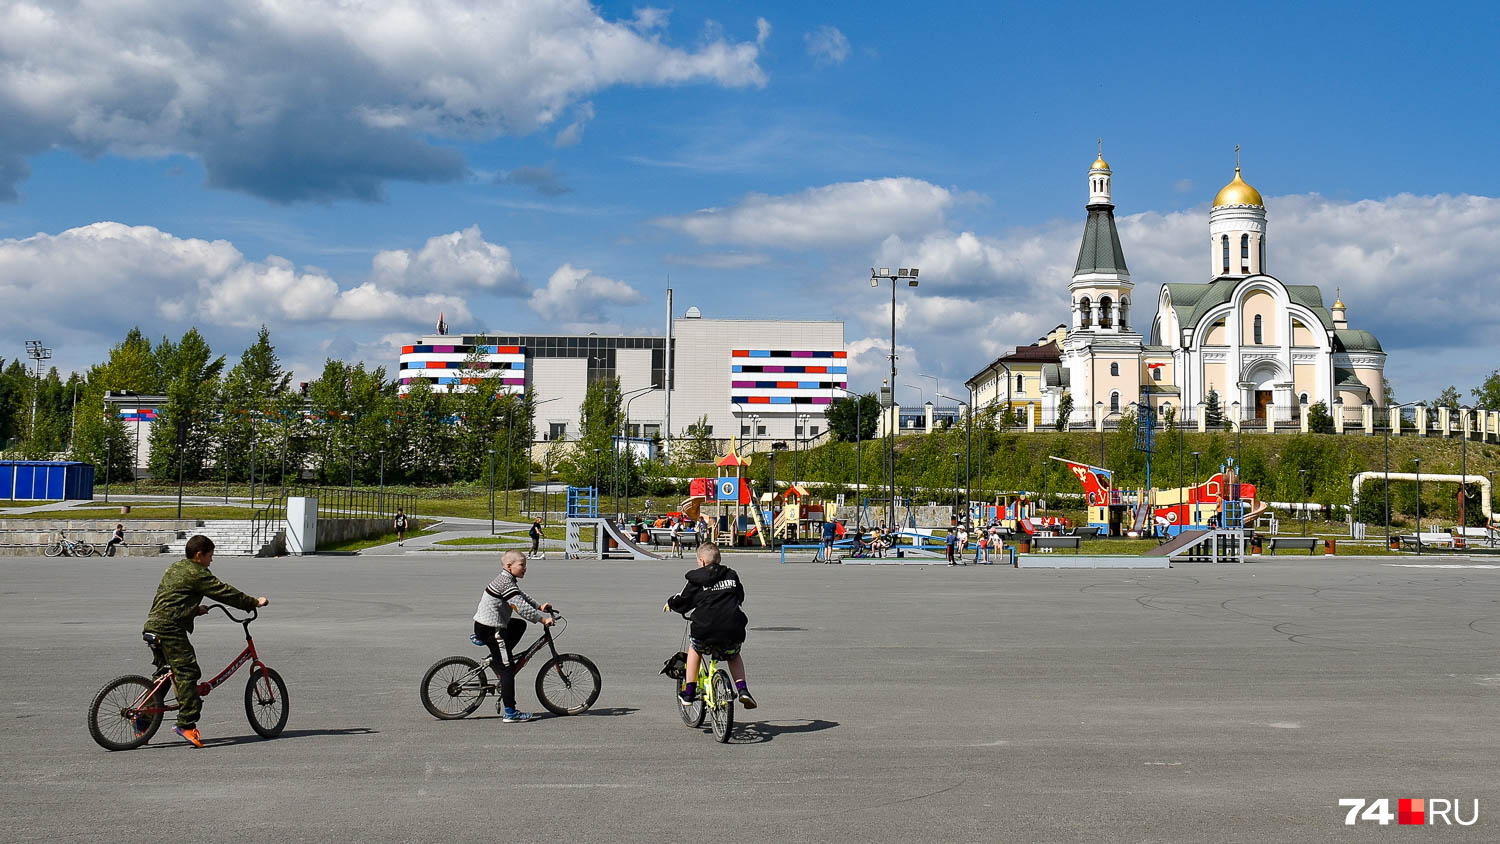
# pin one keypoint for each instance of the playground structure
(1162, 512)
(1016, 511)
(800, 517)
(736, 517)
(610, 541)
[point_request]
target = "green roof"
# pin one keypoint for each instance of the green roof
(1346, 378)
(1355, 340)
(1100, 251)
(1193, 301)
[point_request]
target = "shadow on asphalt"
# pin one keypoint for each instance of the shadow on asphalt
(289, 734)
(760, 732)
(613, 710)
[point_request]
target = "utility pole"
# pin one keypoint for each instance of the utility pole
(38, 353)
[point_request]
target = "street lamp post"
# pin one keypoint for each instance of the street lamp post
(108, 455)
(548, 479)
(596, 475)
(1239, 430)
(858, 430)
(968, 446)
(492, 492)
(1463, 470)
(1419, 505)
(1194, 502)
(38, 353)
(801, 433)
(1302, 493)
(630, 452)
(877, 276)
(956, 466)
(510, 441)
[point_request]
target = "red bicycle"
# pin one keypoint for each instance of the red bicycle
(128, 711)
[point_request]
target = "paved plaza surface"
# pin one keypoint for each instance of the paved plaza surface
(1199, 703)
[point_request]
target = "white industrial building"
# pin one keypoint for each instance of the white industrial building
(755, 379)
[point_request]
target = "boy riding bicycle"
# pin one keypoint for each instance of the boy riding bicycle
(184, 584)
(713, 595)
(497, 630)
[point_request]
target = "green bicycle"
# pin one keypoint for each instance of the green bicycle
(716, 693)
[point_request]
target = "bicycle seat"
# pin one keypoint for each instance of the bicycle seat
(150, 639)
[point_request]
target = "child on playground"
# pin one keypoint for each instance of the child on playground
(713, 595)
(183, 586)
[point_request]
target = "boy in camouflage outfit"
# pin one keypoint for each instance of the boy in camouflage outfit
(184, 584)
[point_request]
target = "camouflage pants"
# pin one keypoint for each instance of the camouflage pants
(176, 652)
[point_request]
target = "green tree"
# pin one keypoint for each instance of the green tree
(599, 424)
(1487, 394)
(1319, 420)
(696, 445)
(849, 416)
(190, 373)
(1213, 413)
(1064, 412)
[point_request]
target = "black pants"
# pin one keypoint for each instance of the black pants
(536, 542)
(501, 658)
(109, 550)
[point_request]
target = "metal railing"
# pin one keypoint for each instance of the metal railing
(333, 503)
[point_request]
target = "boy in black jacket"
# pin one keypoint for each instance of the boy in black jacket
(713, 595)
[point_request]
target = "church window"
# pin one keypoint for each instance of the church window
(1106, 312)
(1155, 373)
(1124, 314)
(1114, 369)
(1020, 384)
(1262, 242)
(1225, 242)
(1114, 402)
(1258, 338)
(1244, 253)
(1303, 398)
(1085, 313)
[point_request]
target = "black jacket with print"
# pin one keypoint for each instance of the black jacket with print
(713, 594)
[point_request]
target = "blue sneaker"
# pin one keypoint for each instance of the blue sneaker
(516, 716)
(476, 640)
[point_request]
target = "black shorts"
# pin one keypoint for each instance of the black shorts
(722, 650)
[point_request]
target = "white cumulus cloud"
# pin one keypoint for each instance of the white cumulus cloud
(259, 90)
(454, 260)
(576, 296)
(840, 213)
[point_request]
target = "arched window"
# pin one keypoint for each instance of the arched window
(1244, 253)
(1085, 313)
(1302, 398)
(1258, 339)
(1155, 373)
(1124, 313)
(1114, 369)
(1106, 312)
(1262, 240)
(1114, 402)
(1020, 384)
(1225, 242)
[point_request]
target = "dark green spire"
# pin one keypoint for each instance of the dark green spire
(1100, 251)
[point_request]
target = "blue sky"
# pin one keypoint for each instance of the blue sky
(344, 172)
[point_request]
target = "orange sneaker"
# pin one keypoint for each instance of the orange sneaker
(191, 734)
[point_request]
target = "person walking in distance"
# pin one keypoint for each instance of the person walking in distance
(536, 535)
(400, 526)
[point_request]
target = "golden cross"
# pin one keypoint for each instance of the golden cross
(1236, 156)
(1101, 147)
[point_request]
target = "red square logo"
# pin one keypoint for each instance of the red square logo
(1411, 811)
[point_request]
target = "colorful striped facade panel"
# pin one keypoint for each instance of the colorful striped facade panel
(786, 376)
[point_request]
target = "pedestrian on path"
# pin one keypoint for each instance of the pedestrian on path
(400, 525)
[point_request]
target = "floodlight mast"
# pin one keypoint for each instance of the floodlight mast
(877, 276)
(38, 353)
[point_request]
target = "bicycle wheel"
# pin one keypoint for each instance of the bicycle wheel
(53, 550)
(115, 710)
(266, 702)
(454, 687)
(86, 549)
(693, 713)
(568, 684)
(721, 716)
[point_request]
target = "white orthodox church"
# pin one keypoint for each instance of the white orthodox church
(1268, 348)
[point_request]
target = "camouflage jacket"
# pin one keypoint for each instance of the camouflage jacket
(184, 585)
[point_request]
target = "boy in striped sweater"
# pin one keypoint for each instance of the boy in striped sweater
(500, 632)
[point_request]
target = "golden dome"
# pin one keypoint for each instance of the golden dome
(1099, 163)
(1238, 192)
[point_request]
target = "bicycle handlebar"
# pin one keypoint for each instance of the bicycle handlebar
(246, 620)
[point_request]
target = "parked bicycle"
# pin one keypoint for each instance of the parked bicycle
(65, 547)
(128, 711)
(568, 684)
(716, 692)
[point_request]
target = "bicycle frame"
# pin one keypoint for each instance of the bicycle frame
(707, 666)
(164, 683)
(545, 640)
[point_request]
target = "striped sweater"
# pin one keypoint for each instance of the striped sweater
(500, 597)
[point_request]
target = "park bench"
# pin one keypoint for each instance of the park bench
(1040, 542)
(1085, 532)
(1295, 543)
(662, 538)
(1432, 540)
